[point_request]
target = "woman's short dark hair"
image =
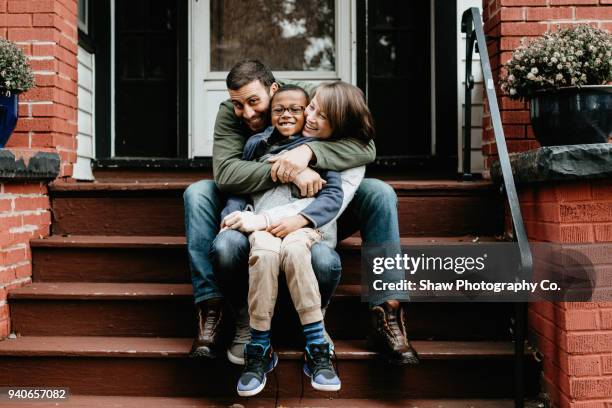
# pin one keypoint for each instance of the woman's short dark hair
(247, 71)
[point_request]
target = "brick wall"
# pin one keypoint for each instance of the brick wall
(47, 32)
(513, 20)
(575, 338)
(24, 214)
(561, 212)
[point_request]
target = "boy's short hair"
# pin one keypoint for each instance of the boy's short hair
(247, 71)
(291, 87)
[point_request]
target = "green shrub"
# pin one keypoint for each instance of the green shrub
(15, 72)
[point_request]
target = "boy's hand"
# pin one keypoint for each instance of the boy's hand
(287, 225)
(309, 182)
(286, 166)
(245, 221)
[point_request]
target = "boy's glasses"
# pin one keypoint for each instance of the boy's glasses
(294, 110)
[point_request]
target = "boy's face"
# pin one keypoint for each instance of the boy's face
(288, 112)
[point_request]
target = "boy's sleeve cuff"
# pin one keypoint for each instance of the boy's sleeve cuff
(312, 221)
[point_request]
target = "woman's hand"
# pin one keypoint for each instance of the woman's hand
(245, 221)
(287, 165)
(287, 225)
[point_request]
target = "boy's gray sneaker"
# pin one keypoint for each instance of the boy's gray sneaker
(259, 362)
(318, 366)
(235, 353)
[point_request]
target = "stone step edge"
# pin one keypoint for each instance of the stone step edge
(129, 241)
(413, 186)
(105, 401)
(122, 291)
(143, 347)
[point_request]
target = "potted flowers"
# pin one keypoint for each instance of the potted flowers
(15, 77)
(566, 76)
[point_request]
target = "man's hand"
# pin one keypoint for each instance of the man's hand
(245, 221)
(286, 166)
(309, 182)
(287, 225)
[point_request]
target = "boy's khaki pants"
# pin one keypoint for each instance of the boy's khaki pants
(269, 255)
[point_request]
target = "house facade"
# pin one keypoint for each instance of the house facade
(123, 83)
(404, 53)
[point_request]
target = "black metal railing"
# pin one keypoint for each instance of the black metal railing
(471, 25)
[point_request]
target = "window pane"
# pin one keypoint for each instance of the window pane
(82, 10)
(398, 13)
(286, 35)
(132, 14)
(132, 64)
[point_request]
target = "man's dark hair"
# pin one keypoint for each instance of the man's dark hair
(291, 87)
(247, 71)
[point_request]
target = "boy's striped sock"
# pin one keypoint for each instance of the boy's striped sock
(260, 337)
(314, 333)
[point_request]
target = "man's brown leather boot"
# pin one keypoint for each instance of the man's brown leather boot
(388, 335)
(209, 314)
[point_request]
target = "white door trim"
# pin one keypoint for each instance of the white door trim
(86, 133)
(207, 88)
(112, 77)
(432, 80)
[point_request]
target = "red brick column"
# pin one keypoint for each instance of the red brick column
(575, 338)
(24, 213)
(47, 32)
(510, 21)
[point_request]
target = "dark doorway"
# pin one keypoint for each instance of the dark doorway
(150, 78)
(395, 71)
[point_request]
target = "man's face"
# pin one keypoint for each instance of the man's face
(288, 112)
(252, 104)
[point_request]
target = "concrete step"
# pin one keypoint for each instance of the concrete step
(159, 367)
(156, 208)
(166, 310)
(97, 401)
(157, 259)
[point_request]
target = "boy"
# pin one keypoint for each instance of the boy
(269, 254)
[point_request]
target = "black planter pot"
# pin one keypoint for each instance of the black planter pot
(572, 115)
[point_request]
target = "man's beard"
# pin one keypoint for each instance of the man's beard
(261, 120)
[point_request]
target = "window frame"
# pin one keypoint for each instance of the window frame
(342, 19)
(83, 25)
(85, 29)
(207, 88)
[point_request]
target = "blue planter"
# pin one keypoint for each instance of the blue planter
(573, 115)
(8, 116)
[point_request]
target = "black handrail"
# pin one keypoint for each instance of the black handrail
(471, 25)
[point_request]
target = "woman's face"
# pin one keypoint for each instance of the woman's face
(317, 124)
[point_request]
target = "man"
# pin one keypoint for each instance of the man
(219, 263)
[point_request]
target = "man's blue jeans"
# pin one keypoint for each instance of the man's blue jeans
(219, 262)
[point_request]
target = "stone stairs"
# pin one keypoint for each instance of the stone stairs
(110, 312)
